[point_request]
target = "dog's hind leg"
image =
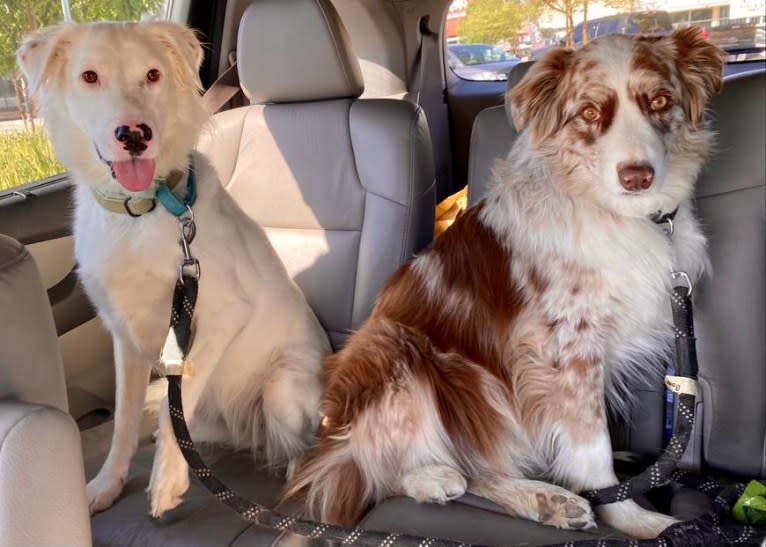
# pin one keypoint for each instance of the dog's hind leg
(132, 377)
(535, 500)
(291, 396)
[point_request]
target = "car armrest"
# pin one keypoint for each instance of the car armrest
(30, 360)
(42, 480)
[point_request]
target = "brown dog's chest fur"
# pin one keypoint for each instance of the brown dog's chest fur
(451, 319)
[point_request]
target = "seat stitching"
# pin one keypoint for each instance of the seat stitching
(34, 413)
(335, 45)
(239, 148)
(410, 205)
(364, 210)
(241, 532)
(727, 192)
(22, 254)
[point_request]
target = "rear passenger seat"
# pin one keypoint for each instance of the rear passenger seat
(732, 206)
(731, 306)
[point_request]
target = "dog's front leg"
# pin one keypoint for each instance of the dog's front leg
(215, 331)
(584, 462)
(132, 378)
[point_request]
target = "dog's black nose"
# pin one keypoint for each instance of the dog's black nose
(635, 177)
(134, 138)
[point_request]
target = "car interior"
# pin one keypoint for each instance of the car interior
(351, 129)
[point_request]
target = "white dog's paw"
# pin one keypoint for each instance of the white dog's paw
(102, 491)
(434, 484)
(166, 488)
(630, 518)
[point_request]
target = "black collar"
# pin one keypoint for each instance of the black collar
(659, 218)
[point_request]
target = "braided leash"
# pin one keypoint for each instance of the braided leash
(712, 529)
(705, 530)
(184, 299)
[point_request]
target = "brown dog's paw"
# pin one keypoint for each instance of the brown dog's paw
(569, 512)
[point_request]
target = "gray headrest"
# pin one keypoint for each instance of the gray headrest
(296, 51)
(516, 74)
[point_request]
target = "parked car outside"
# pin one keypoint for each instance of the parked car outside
(480, 61)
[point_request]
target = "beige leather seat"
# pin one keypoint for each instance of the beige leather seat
(344, 187)
(42, 484)
(345, 190)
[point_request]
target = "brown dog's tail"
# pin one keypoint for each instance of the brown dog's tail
(335, 488)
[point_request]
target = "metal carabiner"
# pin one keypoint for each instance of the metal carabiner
(188, 230)
(189, 263)
(187, 226)
(685, 277)
(669, 230)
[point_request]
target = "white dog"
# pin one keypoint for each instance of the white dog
(122, 105)
(486, 361)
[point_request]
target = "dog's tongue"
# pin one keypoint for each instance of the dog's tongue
(134, 175)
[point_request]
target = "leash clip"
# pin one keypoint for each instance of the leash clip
(668, 231)
(183, 269)
(188, 230)
(687, 282)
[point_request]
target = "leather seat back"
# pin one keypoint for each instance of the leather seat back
(492, 136)
(344, 187)
(42, 483)
(730, 314)
(30, 361)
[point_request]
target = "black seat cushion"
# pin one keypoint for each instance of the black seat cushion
(203, 520)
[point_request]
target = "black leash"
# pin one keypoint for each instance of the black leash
(714, 528)
(177, 344)
(173, 356)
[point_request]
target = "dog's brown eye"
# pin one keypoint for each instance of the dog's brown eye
(153, 75)
(89, 77)
(590, 114)
(660, 102)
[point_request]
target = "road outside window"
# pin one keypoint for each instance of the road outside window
(486, 38)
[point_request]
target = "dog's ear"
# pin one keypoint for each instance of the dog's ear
(700, 66)
(183, 48)
(42, 55)
(536, 99)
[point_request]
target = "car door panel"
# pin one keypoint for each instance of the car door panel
(40, 216)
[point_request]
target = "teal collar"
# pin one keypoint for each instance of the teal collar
(138, 204)
(171, 202)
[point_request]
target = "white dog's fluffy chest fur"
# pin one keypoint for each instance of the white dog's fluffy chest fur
(126, 264)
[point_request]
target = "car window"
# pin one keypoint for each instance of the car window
(477, 54)
(25, 153)
(485, 38)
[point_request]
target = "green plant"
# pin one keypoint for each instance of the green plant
(26, 156)
(491, 21)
